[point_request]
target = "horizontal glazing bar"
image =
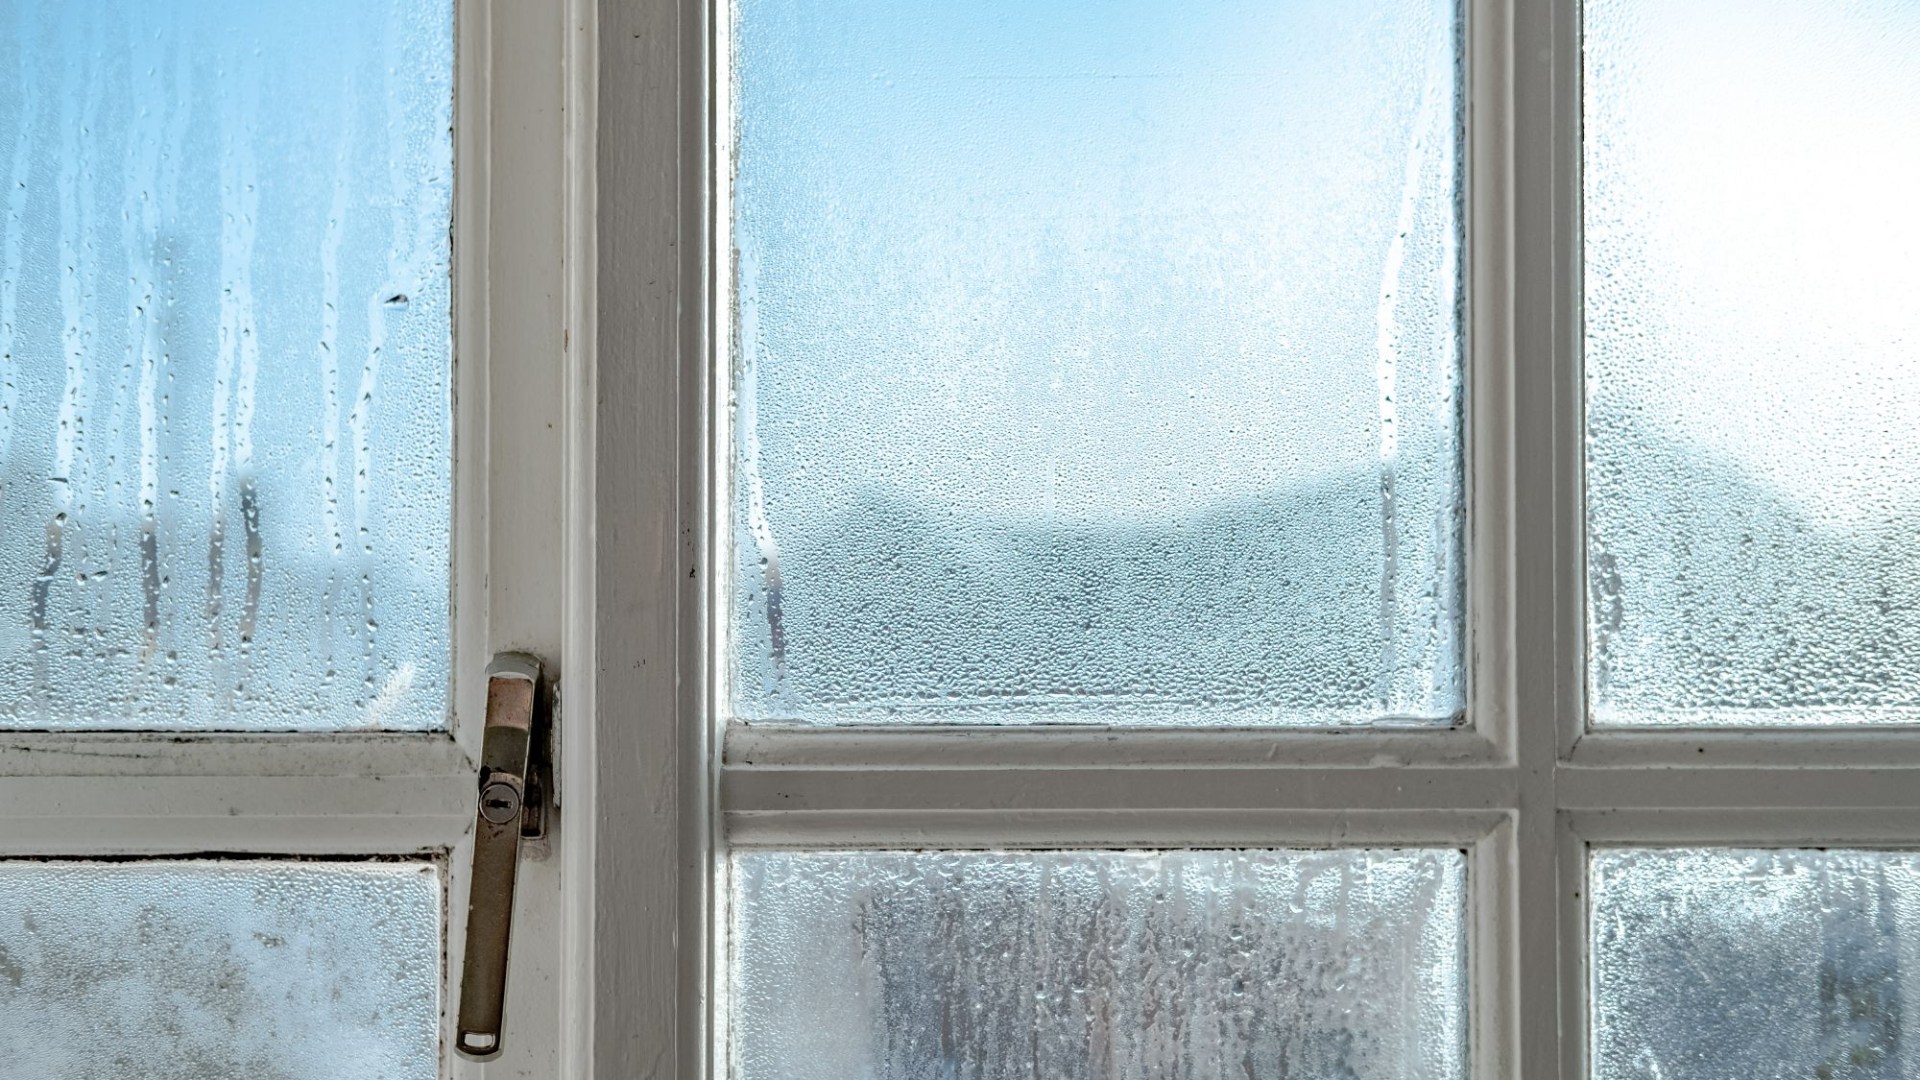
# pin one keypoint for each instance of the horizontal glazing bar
(751, 789)
(88, 815)
(1796, 749)
(1017, 747)
(1865, 826)
(209, 755)
(1460, 787)
(986, 829)
(1739, 789)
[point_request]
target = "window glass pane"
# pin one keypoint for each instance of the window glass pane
(1742, 964)
(190, 970)
(1109, 965)
(224, 363)
(1096, 362)
(1753, 361)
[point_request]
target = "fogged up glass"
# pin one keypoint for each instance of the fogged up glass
(1753, 361)
(193, 970)
(1098, 965)
(1096, 363)
(225, 361)
(1729, 965)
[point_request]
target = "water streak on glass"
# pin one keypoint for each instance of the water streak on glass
(225, 362)
(1098, 965)
(1096, 363)
(1729, 965)
(1753, 361)
(192, 970)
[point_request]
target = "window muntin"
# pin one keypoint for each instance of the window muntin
(226, 340)
(347, 793)
(1095, 364)
(1751, 347)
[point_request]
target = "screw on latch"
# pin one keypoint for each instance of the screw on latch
(500, 801)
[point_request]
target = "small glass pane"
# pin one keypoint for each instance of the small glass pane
(1096, 363)
(1099, 965)
(193, 970)
(225, 340)
(1753, 361)
(1731, 965)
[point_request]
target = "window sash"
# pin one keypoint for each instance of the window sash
(1525, 788)
(520, 223)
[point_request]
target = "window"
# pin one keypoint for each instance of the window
(1028, 721)
(284, 376)
(1362, 537)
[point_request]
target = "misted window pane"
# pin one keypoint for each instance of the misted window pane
(1096, 363)
(1753, 361)
(1099, 965)
(224, 363)
(191, 970)
(1728, 965)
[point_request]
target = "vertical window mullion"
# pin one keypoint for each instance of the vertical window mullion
(1547, 564)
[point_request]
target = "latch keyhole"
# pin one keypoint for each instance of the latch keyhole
(500, 802)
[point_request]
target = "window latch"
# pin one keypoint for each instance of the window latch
(512, 806)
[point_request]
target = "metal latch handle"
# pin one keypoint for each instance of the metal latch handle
(506, 788)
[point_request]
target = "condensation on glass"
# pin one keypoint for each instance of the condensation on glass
(1095, 363)
(191, 970)
(225, 361)
(1098, 965)
(1753, 361)
(1729, 964)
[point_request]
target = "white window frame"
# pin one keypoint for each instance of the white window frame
(521, 520)
(1525, 788)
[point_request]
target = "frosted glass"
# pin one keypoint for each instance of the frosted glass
(1096, 363)
(195, 970)
(1753, 361)
(224, 363)
(1098, 965)
(1732, 965)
